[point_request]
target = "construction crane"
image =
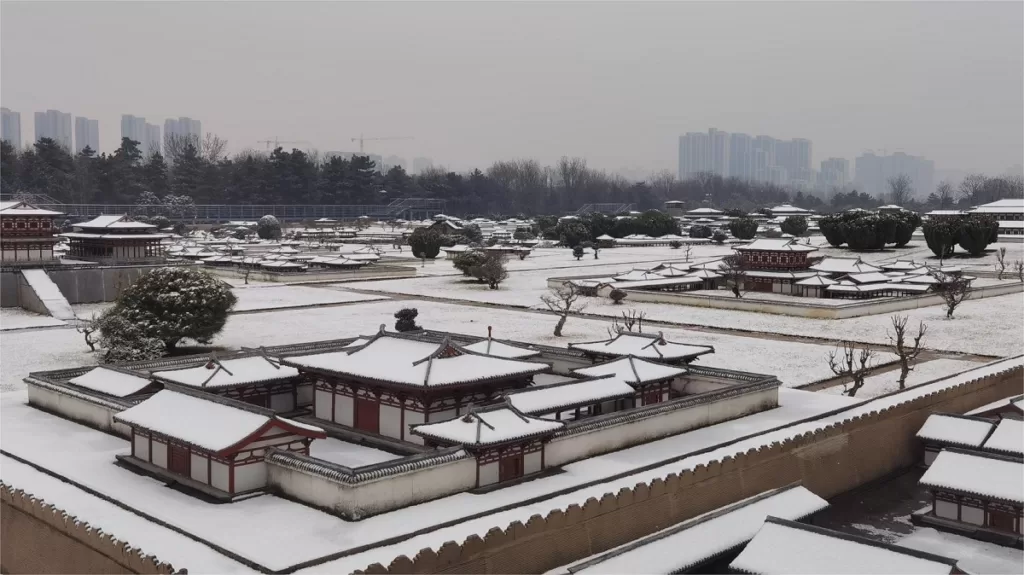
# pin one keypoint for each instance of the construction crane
(361, 139)
(277, 142)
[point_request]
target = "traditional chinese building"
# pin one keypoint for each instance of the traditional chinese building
(26, 233)
(574, 399)
(651, 381)
(641, 345)
(507, 443)
(977, 494)
(116, 240)
(394, 381)
(209, 443)
(258, 380)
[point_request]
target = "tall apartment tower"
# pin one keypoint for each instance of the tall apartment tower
(87, 133)
(718, 152)
(147, 135)
(183, 127)
(741, 156)
(11, 129)
(55, 125)
(152, 145)
(835, 172)
(693, 154)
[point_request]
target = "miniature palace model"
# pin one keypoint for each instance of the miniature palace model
(453, 412)
(26, 234)
(115, 239)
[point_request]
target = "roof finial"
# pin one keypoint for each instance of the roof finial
(488, 332)
(381, 330)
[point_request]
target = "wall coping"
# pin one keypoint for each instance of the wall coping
(353, 477)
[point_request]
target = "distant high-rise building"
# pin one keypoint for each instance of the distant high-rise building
(801, 150)
(693, 154)
(134, 128)
(835, 172)
(153, 143)
(11, 130)
(741, 156)
(55, 125)
(872, 173)
(420, 165)
(393, 161)
(185, 127)
(718, 152)
(87, 133)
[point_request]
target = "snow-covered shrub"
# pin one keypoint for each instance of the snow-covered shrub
(268, 228)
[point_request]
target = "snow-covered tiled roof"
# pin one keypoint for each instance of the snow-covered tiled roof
(632, 370)
(207, 424)
(645, 346)
(1013, 400)
(901, 265)
(550, 398)
(698, 211)
(1008, 437)
(392, 359)
(684, 280)
(775, 245)
(1005, 206)
(24, 209)
(977, 474)
(703, 274)
(782, 546)
(497, 348)
(789, 209)
(868, 278)
(843, 266)
(490, 426)
(686, 545)
(955, 429)
(230, 373)
(110, 382)
(638, 276)
(113, 223)
(816, 281)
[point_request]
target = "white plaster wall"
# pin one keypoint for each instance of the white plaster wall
(575, 447)
(693, 386)
(945, 509)
(489, 473)
(142, 447)
(322, 405)
(412, 417)
(972, 515)
(250, 476)
(344, 411)
(371, 498)
(219, 475)
(304, 393)
(391, 421)
(159, 454)
(198, 467)
(532, 462)
(282, 401)
(78, 409)
(441, 415)
(564, 366)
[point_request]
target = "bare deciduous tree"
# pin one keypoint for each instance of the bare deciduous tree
(734, 270)
(1001, 262)
(687, 252)
(630, 319)
(563, 300)
(901, 347)
(1018, 268)
(846, 361)
(971, 186)
(953, 290)
(945, 192)
(89, 328)
(900, 189)
(210, 147)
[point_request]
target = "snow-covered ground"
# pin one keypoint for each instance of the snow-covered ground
(348, 454)
(889, 381)
(266, 297)
(972, 556)
(17, 318)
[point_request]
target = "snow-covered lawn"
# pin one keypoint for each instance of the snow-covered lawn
(17, 318)
(795, 363)
(348, 454)
(283, 296)
(889, 381)
(972, 556)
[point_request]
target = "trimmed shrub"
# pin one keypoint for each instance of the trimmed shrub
(743, 228)
(700, 232)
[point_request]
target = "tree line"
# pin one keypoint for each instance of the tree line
(199, 169)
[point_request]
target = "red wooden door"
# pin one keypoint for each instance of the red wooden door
(178, 460)
(368, 415)
(652, 396)
(510, 467)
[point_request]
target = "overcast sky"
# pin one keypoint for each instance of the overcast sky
(616, 83)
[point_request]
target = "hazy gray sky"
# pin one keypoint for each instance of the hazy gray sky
(616, 83)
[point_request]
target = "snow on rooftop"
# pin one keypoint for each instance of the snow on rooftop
(230, 372)
(776, 245)
(410, 362)
(1008, 437)
(488, 427)
(955, 430)
(496, 348)
(786, 547)
(638, 276)
(549, 398)
(24, 209)
(696, 540)
(110, 382)
(867, 278)
(976, 474)
(1006, 401)
(114, 222)
(843, 266)
(644, 346)
(632, 370)
(816, 281)
(207, 424)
